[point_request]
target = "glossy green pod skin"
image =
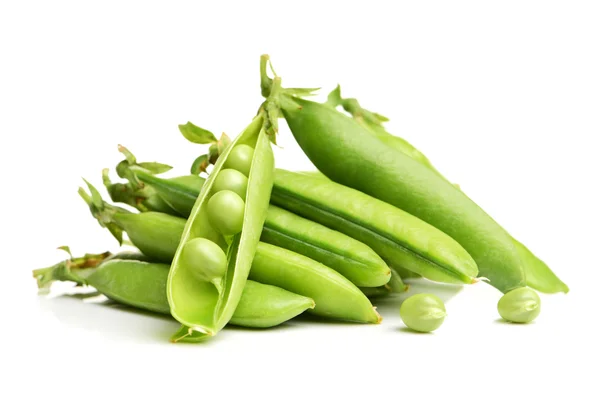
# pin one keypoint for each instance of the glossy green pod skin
(349, 154)
(537, 273)
(152, 233)
(398, 237)
(155, 234)
(334, 295)
(175, 191)
(376, 292)
(127, 280)
(204, 307)
(351, 258)
(396, 283)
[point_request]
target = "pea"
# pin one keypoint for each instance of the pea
(240, 159)
(226, 212)
(423, 312)
(205, 259)
(521, 305)
(231, 179)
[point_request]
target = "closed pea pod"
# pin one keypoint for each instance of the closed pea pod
(126, 279)
(398, 237)
(155, 234)
(334, 295)
(351, 258)
(537, 273)
(174, 191)
(205, 306)
(349, 154)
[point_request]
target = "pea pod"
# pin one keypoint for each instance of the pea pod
(221, 226)
(154, 233)
(376, 292)
(175, 191)
(537, 273)
(334, 295)
(398, 237)
(350, 257)
(127, 280)
(349, 154)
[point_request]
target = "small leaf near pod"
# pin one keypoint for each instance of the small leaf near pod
(195, 134)
(200, 165)
(155, 168)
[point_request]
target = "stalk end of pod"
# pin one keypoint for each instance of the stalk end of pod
(185, 334)
(379, 317)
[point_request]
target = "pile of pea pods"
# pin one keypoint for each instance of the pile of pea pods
(240, 242)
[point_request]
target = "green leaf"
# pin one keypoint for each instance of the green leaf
(200, 164)
(334, 98)
(155, 168)
(195, 134)
(67, 249)
(115, 231)
(301, 92)
(96, 196)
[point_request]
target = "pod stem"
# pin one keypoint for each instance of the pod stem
(62, 271)
(102, 211)
(276, 96)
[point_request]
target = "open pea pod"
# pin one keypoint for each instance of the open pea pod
(212, 262)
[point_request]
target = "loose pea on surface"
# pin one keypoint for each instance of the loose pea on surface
(240, 159)
(423, 312)
(226, 212)
(521, 305)
(205, 259)
(231, 179)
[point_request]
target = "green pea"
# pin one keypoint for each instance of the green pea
(521, 305)
(205, 259)
(226, 212)
(231, 179)
(423, 312)
(240, 158)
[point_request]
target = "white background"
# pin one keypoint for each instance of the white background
(503, 97)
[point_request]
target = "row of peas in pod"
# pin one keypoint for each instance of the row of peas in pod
(240, 242)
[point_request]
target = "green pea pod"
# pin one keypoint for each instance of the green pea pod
(396, 283)
(349, 154)
(334, 295)
(204, 300)
(398, 237)
(353, 259)
(537, 273)
(539, 276)
(175, 191)
(127, 280)
(154, 233)
(376, 292)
